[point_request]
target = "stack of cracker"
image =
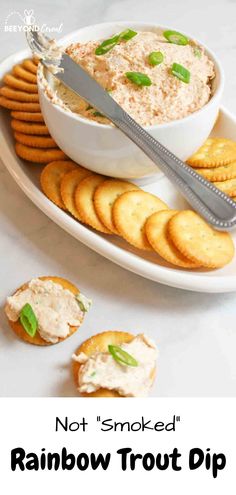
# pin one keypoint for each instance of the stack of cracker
(216, 161)
(113, 206)
(20, 95)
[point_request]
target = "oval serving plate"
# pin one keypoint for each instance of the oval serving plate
(146, 264)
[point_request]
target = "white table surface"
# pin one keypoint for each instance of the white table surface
(195, 332)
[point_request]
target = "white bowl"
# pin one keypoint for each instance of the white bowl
(104, 148)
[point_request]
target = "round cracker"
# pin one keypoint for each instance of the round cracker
(130, 213)
(29, 65)
(29, 127)
(197, 240)
(100, 343)
(157, 233)
(19, 105)
(36, 59)
(84, 201)
(37, 339)
(15, 94)
(15, 82)
(68, 186)
(39, 155)
(35, 141)
(225, 172)
(214, 153)
(104, 198)
(227, 186)
(28, 116)
(19, 71)
(50, 179)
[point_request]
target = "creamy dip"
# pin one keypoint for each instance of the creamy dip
(100, 370)
(55, 308)
(166, 99)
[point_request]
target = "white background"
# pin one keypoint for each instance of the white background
(195, 332)
(203, 424)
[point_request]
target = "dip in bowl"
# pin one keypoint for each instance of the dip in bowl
(171, 86)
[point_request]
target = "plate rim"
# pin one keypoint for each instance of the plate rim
(164, 275)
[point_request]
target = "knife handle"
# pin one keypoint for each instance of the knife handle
(211, 203)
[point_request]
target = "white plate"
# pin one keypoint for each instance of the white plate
(148, 265)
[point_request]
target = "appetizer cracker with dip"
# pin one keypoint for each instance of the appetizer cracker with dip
(115, 364)
(46, 310)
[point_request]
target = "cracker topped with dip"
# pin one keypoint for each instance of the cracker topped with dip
(156, 78)
(115, 364)
(46, 310)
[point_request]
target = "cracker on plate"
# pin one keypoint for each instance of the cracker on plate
(225, 172)
(69, 183)
(17, 95)
(199, 242)
(105, 196)
(19, 71)
(29, 127)
(130, 213)
(157, 233)
(21, 84)
(35, 141)
(214, 153)
(39, 155)
(22, 106)
(51, 177)
(227, 186)
(30, 65)
(84, 201)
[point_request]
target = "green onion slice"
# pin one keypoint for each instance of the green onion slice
(127, 35)
(84, 302)
(139, 78)
(155, 58)
(176, 38)
(180, 72)
(28, 320)
(122, 356)
(197, 52)
(98, 114)
(107, 45)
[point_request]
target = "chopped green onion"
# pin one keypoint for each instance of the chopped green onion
(176, 38)
(89, 107)
(127, 35)
(84, 302)
(155, 58)
(98, 114)
(122, 356)
(93, 374)
(139, 78)
(180, 72)
(197, 52)
(107, 45)
(28, 320)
